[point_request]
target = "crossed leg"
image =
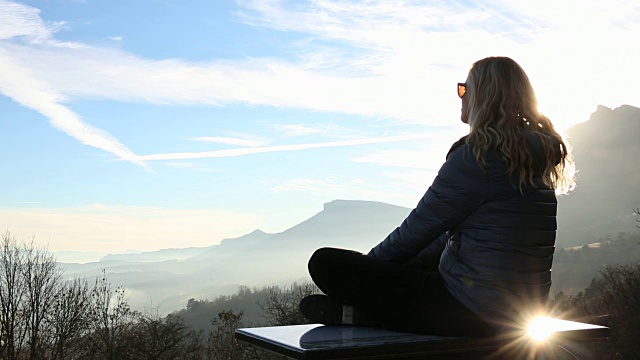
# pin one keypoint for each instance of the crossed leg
(392, 295)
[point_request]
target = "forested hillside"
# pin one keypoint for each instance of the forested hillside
(573, 268)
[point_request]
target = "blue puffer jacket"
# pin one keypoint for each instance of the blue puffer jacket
(495, 242)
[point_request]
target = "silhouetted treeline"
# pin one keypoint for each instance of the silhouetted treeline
(267, 306)
(612, 299)
(44, 316)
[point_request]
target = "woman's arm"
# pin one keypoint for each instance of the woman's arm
(429, 258)
(461, 185)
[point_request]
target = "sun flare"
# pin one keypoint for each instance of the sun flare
(540, 328)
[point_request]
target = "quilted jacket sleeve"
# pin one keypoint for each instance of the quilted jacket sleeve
(461, 185)
(429, 258)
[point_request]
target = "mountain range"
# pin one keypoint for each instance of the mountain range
(605, 148)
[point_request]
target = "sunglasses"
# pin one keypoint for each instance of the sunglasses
(462, 88)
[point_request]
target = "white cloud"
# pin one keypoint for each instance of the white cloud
(395, 60)
(229, 141)
(23, 21)
(403, 79)
(281, 148)
(113, 74)
(590, 46)
(295, 130)
(20, 85)
(396, 158)
(429, 154)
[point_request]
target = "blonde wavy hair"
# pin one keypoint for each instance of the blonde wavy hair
(502, 106)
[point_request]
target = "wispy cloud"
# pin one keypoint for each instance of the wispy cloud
(21, 20)
(397, 158)
(381, 82)
(229, 141)
(17, 83)
(18, 20)
(295, 130)
(113, 74)
(380, 59)
(433, 41)
(281, 148)
(424, 155)
(371, 24)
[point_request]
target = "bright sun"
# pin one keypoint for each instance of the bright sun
(540, 328)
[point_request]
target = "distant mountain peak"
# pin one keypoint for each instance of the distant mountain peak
(604, 113)
(627, 110)
(250, 238)
(605, 149)
(601, 114)
(626, 107)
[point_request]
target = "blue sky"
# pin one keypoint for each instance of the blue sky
(156, 124)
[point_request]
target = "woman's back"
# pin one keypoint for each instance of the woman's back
(497, 261)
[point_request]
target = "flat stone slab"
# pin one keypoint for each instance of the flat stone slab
(315, 341)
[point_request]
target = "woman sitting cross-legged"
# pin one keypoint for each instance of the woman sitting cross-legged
(474, 257)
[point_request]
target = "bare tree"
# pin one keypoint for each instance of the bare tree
(68, 319)
(41, 282)
(620, 299)
(221, 343)
(12, 293)
(637, 212)
(282, 305)
(110, 320)
(157, 338)
(43, 317)
(612, 299)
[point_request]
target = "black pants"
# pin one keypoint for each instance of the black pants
(395, 296)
